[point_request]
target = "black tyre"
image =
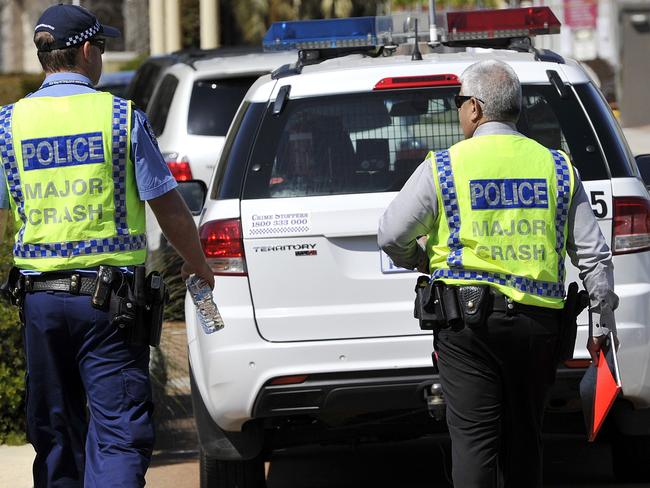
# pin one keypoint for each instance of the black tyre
(231, 474)
(631, 458)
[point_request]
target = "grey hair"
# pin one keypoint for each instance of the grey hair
(497, 85)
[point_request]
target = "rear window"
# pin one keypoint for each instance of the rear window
(159, 108)
(213, 105)
(372, 142)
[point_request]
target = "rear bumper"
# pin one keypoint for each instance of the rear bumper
(234, 367)
(346, 394)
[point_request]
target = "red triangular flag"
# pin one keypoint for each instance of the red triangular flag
(606, 392)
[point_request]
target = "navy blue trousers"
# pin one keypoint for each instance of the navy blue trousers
(89, 405)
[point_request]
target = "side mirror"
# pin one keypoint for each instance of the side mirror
(194, 193)
(643, 162)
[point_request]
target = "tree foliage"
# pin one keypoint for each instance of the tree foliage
(246, 21)
(254, 16)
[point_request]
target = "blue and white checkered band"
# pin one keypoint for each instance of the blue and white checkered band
(563, 174)
(81, 248)
(83, 36)
(10, 165)
(450, 203)
(521, 283)
(120, 138)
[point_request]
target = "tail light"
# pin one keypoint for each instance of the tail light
(223, 247)
(631, 225)
(289, 380)
(179, 166)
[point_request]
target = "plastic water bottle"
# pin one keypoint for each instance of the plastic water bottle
(201, 293)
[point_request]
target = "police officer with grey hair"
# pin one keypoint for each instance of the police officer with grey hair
(79, 165)
(499, 212)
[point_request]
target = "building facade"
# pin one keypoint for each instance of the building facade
(613, 38)
(18, 18)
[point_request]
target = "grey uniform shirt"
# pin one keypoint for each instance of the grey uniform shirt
(415, 210)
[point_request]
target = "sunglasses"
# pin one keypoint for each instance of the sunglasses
(99, 43)
(459, 100)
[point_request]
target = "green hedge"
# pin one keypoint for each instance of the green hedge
(12, 361)
(13, 87)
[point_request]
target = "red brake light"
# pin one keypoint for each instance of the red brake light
(631, 225)
(181, 171)
(501, 24)
(417, 82)
(179, 166)
(223, 246)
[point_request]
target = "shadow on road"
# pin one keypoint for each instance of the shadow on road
(569, 463)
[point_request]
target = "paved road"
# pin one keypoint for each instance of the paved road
(569, 463)
(415, 464)
(638, 139)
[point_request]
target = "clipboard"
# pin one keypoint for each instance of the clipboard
(599, 387)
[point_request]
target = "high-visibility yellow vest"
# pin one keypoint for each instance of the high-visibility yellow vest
(71, 182)
(503, 203)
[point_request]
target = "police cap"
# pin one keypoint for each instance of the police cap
(72, 25)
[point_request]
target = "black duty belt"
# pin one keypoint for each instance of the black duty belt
(73, 283)
(502, 303)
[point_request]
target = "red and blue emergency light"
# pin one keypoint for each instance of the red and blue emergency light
(373, 32)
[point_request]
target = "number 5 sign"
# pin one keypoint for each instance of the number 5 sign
(599, 194)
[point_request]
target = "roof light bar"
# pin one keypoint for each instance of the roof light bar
(501, 24)
(417, 82)
(353, 32)
(324, 34)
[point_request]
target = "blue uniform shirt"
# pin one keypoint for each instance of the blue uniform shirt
(152, 175)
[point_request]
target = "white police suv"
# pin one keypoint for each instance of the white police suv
(320, 344)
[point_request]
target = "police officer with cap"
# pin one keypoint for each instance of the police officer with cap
(500, 211)
(79, 165)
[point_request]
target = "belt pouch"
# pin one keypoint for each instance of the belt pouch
(156, 298)
(427, 309)
(473, 301)
(13, 289)
(138, 335)
(107, 279)
(453, 314)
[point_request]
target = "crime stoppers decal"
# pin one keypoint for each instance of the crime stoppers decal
(279, 224)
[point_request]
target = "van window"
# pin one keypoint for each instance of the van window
(213, 105)
(372, 142)
(159, 107)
